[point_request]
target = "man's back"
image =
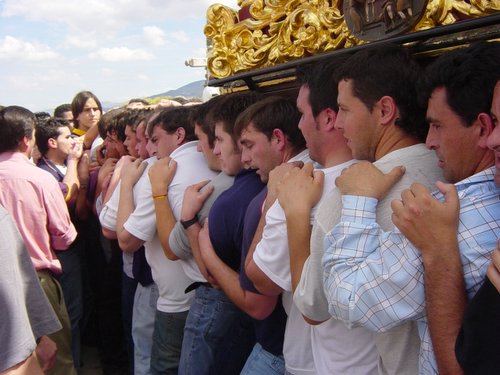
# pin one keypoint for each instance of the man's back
(34, 199)
(420, 166)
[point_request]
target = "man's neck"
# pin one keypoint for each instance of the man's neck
(291, 153)
(487, 161)
(337, 158)
(393, 138)
(56, 159)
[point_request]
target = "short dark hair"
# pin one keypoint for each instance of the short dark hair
(49, 129)
(273, 113)
(227, 109)
(42, 116)
(138, 100)
(202, 116)
(469, 76)
(173, 118)
(142, 114)
(322, 80)
(79, 102)
(120, 122)
(389, 70)
(107, 122)
(15, 124)
(58, 112)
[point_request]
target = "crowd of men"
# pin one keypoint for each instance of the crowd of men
(352, 231)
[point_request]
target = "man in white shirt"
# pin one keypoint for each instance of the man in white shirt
(273, 269)
(131, 213)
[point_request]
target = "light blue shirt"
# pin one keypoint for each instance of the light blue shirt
(375, 279)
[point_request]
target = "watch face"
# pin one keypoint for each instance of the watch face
(380, 19)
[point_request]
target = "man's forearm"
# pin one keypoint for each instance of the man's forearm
(256, 239)
(446, 299)
(165, 221)
(71, 180)
(256, 305)
(192, 232)
(299, 239)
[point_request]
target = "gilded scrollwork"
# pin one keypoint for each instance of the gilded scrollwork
(446, 12)
(276, 31)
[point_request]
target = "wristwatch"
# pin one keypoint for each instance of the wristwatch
(186, 224)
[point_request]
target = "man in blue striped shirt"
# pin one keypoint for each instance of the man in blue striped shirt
(376, 279)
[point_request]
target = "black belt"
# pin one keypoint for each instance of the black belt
(196, 285)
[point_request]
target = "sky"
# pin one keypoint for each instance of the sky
(118, 49)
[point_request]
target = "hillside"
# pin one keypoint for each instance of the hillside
(193, 89)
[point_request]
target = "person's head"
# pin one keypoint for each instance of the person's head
(42, 116)
(494, 138)
(379, 96)
(204, 129)
(17, 130)
(64, 111)
(113, 133)
(135, 132)
(142, 140)
(137, 103)
(129, 119)
(54, 140)
(317, 104)
(150, 147)
(170, 129)
(87, 110)
(268, 134)
(224, 116)
(460, 89)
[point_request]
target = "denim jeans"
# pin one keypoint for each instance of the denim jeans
(218, 336)
(261, 362)
(143, 319)
(167, 342)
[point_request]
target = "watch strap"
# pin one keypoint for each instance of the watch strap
(186, 224)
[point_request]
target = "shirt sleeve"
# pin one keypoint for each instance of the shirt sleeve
(109, 211)
(371, 278)
(179, 242)
(142, 222)
(61, 230)
(271, 254)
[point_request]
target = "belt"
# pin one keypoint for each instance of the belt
(45, 271)
(196, 285)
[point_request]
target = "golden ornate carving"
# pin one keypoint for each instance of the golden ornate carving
(277, 31)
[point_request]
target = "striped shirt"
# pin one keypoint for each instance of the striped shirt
(375, 279)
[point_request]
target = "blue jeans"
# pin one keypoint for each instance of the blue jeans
(218, 336)
(167, 342)
(143, 319)
(261, 362)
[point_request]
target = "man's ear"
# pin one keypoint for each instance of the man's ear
(326, 119)
(52, 143)
(24, 144)
(181, 135)
(484, 127)
(278, 139)
(388, 110)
